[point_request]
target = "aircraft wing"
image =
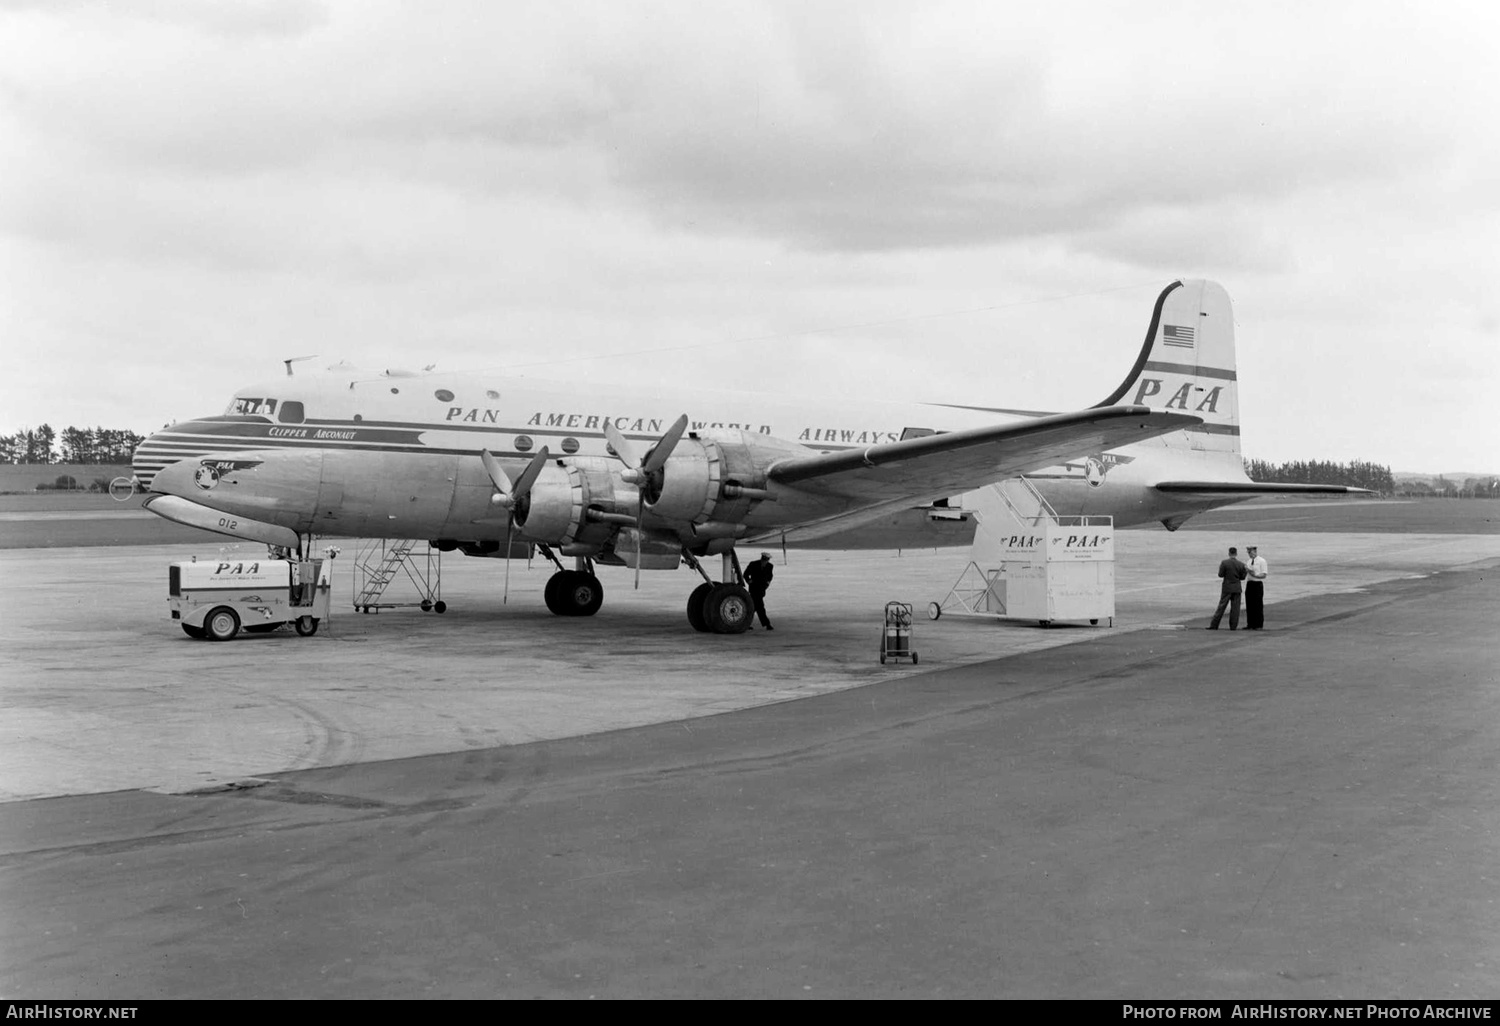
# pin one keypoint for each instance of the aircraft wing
(1246, 489)
(882, 477)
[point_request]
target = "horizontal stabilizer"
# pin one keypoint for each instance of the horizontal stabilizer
(1245, 489)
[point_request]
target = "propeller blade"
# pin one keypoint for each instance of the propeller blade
(510, 522)
(640, 533)
(529, 475)
(658, 456)
(506, 493)
(622, 446)
(498, 477)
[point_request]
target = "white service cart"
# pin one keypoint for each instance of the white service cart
(214, 599)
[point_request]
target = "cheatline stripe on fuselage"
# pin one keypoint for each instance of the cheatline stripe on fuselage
(251, 433)
(160, 452)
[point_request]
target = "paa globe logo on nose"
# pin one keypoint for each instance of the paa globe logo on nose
(209, 471)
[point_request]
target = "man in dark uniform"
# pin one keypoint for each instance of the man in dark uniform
(1232, 571)
(758, 579)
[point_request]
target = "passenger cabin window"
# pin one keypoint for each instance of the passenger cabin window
(291, 412)
(246, 404)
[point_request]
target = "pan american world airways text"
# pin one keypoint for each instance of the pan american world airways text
(1272, 1010)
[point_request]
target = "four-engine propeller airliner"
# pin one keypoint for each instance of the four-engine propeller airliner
(656, 480)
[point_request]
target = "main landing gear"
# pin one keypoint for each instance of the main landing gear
(714, 607)
(574, 592)
(718, 608)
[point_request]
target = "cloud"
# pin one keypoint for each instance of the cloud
(882, 194)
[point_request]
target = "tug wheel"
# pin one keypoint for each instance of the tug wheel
(221, 624)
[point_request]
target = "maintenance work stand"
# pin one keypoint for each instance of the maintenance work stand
(1029, 563)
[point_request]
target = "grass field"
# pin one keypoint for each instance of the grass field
(1356, 516)
(64, 520)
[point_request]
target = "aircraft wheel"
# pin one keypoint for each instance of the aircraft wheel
(307, 626)
(552, 594)
(583, 595)
(440, 606)
(882, 657)
(221, 624)
(193, 632)
(728, 609)
(914, 659)
(573, 593)
(425, 605)
(696, 614)
(934, 610)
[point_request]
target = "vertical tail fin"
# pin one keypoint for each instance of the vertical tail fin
(1187, 364)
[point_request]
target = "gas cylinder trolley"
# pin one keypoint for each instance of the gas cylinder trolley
(895, 639)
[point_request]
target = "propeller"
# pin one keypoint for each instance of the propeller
(508, 496)
(647, 475)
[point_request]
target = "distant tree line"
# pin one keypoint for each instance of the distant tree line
(1356, 474)
(1442, 488)
(100, 445)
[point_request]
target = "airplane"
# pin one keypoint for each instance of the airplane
(656, 480)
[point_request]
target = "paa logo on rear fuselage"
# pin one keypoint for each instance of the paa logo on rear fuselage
(209, 471)
(1095, 467)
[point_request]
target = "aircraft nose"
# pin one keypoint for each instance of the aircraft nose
(276, 486)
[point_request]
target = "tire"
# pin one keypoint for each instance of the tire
(573, 593)
(221, 624)
(425, 605)
(728, 609)
(306, 626)
(440, 606)
(583, 595)
(193, 632)
(552, 593)
(914, 659)
(696, 613)
(882, 657)
(934, 610)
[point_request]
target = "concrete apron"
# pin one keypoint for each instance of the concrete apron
(100, 691)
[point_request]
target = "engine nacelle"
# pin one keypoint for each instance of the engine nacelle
(578, 501)
(717, 476)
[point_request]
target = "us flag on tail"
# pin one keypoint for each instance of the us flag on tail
(1177, 335)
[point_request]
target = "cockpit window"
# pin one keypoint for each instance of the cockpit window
(245, 404)
(291, 412)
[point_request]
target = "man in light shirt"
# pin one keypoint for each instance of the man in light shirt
(1255, 590)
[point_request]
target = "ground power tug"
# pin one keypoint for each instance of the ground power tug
(215, 599)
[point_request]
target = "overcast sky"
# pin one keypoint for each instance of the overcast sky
(963, 202)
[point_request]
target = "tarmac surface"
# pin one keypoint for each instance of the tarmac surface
(499, 803)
